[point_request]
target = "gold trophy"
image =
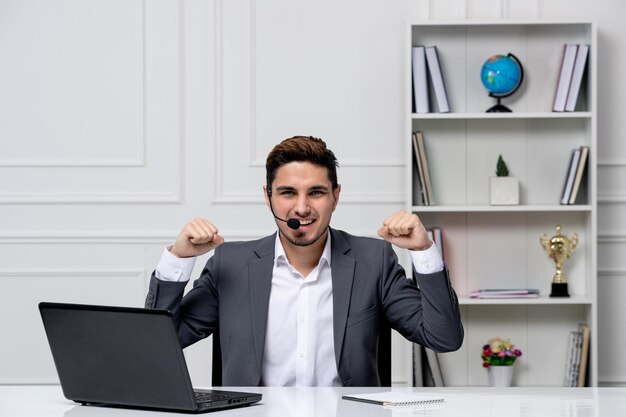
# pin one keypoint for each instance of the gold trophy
(559, 248)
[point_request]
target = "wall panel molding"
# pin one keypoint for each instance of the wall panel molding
(173, 88)
(611, 237)
(612, 273)
(223, 196)
(26, 308)
(611, 197)
(139, 137)
(73, 273)
(163, 237)
(125, 197)
(66, 237)
(610, 163)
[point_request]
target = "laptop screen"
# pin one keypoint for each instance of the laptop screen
(118, 355)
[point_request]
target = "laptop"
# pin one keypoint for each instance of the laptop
(126, 357)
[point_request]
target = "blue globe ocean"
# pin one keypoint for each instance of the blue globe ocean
(501, 75)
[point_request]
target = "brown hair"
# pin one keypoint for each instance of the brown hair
(302, 149)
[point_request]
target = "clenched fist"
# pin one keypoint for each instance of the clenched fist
(197, 238)
(405, 230)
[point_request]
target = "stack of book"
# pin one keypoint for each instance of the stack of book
(577, 355)
(436, 235)
(574, 175)
(570, 78)
(426, 366)
(423, 173)
(505, 293)
(427, 66)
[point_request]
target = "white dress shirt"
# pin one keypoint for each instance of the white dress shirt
(299, 342)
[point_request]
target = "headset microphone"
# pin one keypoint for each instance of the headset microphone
(292, 223)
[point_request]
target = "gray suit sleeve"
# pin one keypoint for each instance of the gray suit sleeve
(195, 315)
(428, 314)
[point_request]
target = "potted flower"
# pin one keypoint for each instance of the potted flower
(498, 357)
(504, 190)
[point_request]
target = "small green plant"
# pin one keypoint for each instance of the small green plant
(501, 169)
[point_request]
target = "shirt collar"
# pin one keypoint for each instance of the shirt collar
(281, 256)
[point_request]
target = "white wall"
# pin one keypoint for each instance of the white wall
(121, 120)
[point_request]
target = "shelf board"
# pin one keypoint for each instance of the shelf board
(499, 22)
(542, 300)
(486, 208)
(496, 116)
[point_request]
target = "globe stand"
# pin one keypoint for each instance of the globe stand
(499, 108)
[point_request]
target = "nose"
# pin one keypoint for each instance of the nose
(302, 206)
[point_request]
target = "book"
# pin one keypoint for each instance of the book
(565, 77)
(434, 367)
(505, 293)
(570, 176)
(436, 235)
(577, 77)
(395, 399)
(569, 359)
(576, 363)
(418, 372)
(422, 154)
(420, 171)
(420, 80)
(580, 170)
(436, 79)
(573, 358)
(584, 354)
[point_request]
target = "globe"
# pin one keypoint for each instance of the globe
(501, 75)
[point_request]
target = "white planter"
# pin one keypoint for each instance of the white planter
(504, 191)
(500, 376)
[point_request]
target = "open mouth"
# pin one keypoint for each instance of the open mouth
(306, 222)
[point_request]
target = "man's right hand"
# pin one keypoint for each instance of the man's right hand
(196, 239)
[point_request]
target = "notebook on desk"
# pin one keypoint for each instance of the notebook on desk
(128, 357)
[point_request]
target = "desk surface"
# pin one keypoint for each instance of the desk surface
(48, 401)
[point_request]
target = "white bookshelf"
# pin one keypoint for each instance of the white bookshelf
(498, 246)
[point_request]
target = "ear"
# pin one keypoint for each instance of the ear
(336, 192)
(266, 195)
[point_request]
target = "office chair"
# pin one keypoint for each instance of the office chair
(216, 361)
(384, 357)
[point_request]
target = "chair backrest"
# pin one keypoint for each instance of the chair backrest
(216, 362)
(384, 353)
(384, 357)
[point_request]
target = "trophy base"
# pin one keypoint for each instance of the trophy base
(559, 290)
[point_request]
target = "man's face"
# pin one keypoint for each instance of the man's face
(302, 190)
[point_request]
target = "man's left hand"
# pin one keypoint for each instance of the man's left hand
(406, 231)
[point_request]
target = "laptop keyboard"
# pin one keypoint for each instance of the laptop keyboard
(206, 397)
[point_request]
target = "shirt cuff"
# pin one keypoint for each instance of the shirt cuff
(427, 261)
(172, 268)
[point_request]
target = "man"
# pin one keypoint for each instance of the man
(303, 306)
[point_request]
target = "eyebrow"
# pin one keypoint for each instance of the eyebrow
(313, 188)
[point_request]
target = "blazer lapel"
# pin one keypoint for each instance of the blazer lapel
(260, 283)
(342, 267)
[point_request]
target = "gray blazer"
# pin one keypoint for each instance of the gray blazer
(369, 285)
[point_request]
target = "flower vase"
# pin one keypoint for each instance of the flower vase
(500, 375)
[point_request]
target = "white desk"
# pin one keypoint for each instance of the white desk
(48, 401)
